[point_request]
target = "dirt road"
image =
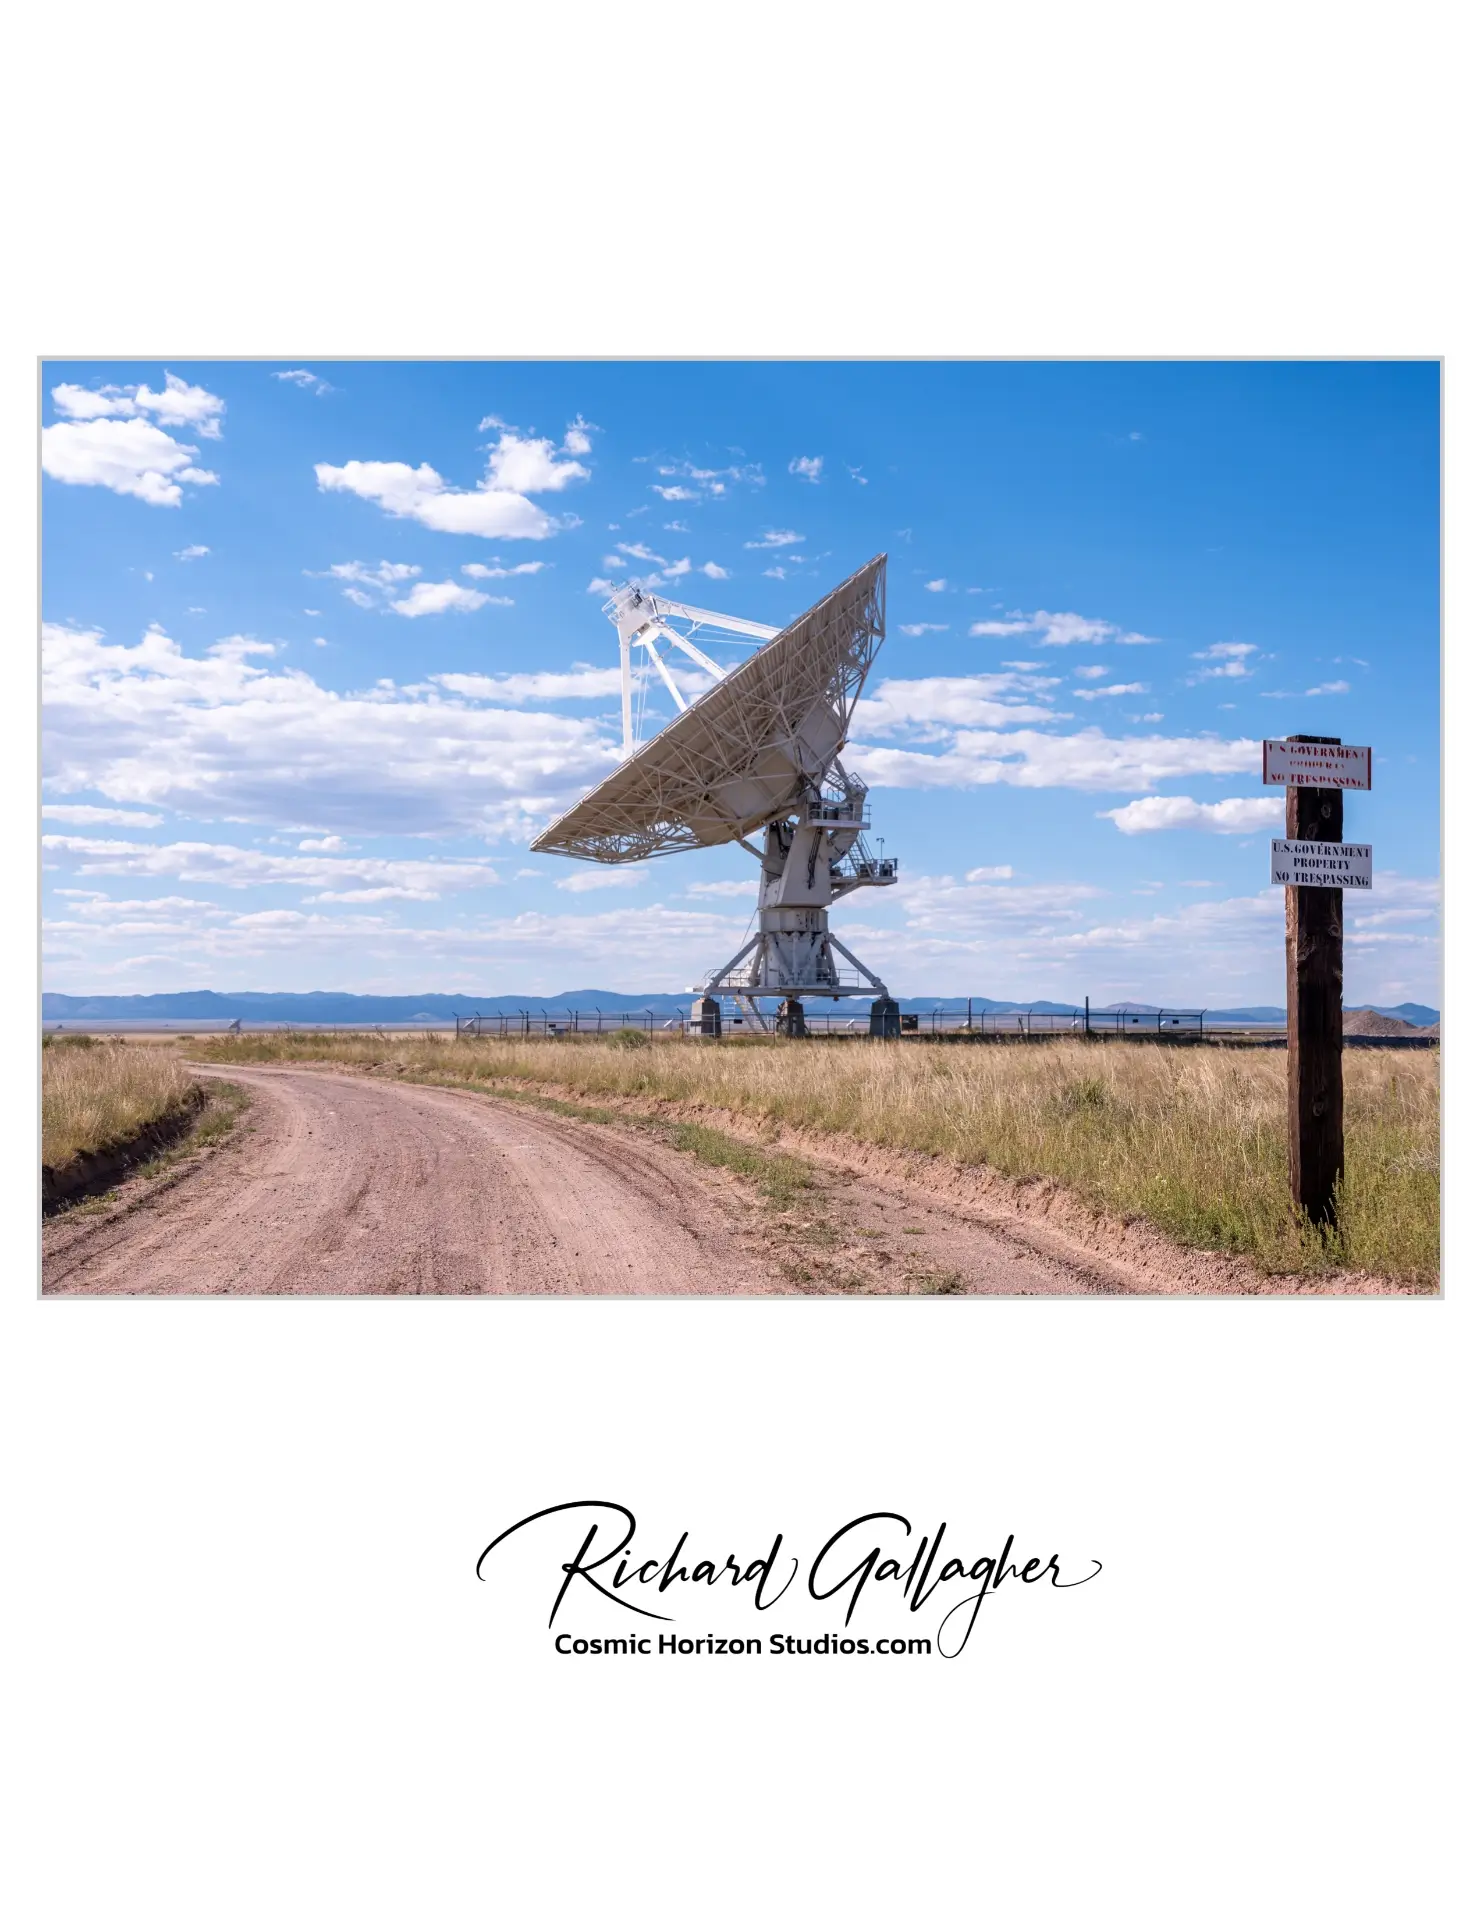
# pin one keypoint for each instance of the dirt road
(344, 1184)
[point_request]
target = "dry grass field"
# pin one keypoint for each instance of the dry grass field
(1191, 1138)
(97, 1094)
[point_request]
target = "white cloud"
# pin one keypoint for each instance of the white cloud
(331, 843)
(860, 480)
(675, 493)
(775, 573)
(1232, 654)
(1062, 630)
(1089, 761)
(1085, 673)
(444, 596)
(937, 586)
(218, 864)
(193, 553)
(223, 737)
(367, 948)
(592, 879)
(531, 466)
(599, 585)
(497, 509)
(1159, 812)
(127, 456)
(581, 683)
(1330, 686)
(1229, 670)
(775, 537)
(933, 708)
(638, 551)
(179, 405)
(712, 480)
(477, 572)
(578, 437)
(82, 816)
(808, 466)
(721, 889)
(713, 572)
(917, 628)
(989, 873)
(302, 377)
(1110, 692)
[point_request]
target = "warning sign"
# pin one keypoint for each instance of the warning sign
(1315, 763)
(1321, 863)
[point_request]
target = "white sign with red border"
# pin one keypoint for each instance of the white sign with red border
(1313, 763)
(1321, 863)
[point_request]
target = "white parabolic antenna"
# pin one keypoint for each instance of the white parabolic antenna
(756, 753)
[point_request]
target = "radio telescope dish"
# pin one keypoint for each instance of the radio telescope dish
(758, 750)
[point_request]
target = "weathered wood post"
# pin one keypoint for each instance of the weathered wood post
(1315, 927)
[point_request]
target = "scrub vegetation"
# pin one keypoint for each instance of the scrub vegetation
(1192, 1138)
(98, 1095)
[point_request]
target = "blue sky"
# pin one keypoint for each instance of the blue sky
(324, 649)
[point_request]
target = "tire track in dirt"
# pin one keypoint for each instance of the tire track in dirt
(346, 1185)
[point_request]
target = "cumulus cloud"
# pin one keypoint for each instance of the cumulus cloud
(530, 466)
(193, 553)
(721, 889)
(1329, 686)
(934, 708)
(675, 493)
(918, 628)
(179, 405)
(775, 537)
(808, 466)
(989, 873)
(128, 456)
(1061, 630)
(1159, 812)
(443, 596)
(937, 586)
(1090, 761)
(497, 509)
(223, 736)
(476, 571)
(713, 572)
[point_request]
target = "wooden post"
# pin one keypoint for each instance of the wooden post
(1315, 918)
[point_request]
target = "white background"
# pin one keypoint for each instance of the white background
(252, 1671)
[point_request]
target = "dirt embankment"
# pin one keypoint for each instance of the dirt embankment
(87, 1172)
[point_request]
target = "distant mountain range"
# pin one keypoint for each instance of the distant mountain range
(339, 1009)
